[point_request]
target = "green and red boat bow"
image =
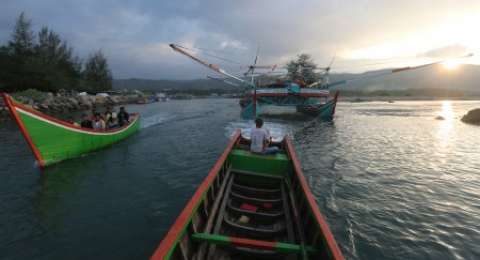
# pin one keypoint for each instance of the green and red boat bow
(53, 140)
(202, 230)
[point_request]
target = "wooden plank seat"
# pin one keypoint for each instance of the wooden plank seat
(251, 243)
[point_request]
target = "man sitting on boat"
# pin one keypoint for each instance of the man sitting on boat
(123, 117)
(260, 139)
(86, 122)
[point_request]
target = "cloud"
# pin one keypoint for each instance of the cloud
(450, 51)
(135, 34)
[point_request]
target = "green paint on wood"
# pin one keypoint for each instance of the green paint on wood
(277, 164)
(57, 143)
(225, 240)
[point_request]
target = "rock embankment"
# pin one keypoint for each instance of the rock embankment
(70, 101)
(472, 117)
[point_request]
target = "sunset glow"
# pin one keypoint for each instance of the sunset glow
(451, 65)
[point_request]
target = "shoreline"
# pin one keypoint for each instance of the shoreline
(67, 103)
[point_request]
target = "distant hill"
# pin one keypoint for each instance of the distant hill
(161, 84)
(466, 78)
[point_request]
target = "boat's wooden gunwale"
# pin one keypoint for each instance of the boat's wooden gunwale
(312, 205)
(14, 104)
(307, 208)
(166, 247)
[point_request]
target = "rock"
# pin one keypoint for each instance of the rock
(73, 102)
(84, 101)
(440, 118)
(472, 117)
(100, 100)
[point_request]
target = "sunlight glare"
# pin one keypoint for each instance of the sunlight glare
(451, 65)
(447, 112)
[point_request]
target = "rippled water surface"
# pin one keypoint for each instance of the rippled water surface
(392, 181)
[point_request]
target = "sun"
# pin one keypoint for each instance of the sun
(450, 65)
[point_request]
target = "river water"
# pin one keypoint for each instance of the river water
(392, 181)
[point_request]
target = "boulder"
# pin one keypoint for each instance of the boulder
(85, 101)
(100, 100)
(472, 117)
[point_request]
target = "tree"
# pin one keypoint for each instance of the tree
(23, 39)
(303, 68)
(60, 68)
(97, 72)
(46, 62)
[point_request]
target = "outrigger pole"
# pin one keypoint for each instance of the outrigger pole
(217, 69)
(388, 72)
(211, 66)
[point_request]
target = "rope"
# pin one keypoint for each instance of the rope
(210, 55)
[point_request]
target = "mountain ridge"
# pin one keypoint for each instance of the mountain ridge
(464, 78)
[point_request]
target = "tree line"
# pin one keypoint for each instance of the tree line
(46, 62)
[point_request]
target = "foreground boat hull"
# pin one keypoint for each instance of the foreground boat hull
(226, 219)
(53, 140)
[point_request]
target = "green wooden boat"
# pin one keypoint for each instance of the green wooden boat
(251, 207)
(53, 140)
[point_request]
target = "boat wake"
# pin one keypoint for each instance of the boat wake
(277, 130)
(155, 120)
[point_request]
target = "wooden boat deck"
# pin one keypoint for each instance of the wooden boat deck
(251, 207)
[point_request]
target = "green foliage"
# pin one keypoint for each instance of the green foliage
(23, 38)
(97, 72)
(46, 62)
(303, 68)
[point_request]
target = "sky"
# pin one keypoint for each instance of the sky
(361, 34)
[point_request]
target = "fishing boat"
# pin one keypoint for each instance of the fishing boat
(312, 102)
(314, 99)
(53, 140)
(251, 206)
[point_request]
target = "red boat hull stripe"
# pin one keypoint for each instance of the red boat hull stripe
(14, 114)
(179, 226)
(327, 234)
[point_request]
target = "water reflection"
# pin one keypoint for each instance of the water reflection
(445, 131)
(447, 116)
(447, 112)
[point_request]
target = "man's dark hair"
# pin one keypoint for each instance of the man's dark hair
(259, 122)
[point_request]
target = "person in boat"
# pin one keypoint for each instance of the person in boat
(261, 139)
(86, 122)
(99, 123)
(108, 114)
(123, 117)
(112, 121)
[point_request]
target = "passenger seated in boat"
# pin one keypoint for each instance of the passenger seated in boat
(86, 122)
(123, 117)
(260, 139)
(112, 121)
(108, 114)
(99, 123)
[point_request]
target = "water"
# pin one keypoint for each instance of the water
(392, 182)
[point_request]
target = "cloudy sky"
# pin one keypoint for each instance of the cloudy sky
(364, 34)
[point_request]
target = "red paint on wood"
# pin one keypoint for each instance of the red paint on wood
(15, 116)
(327, 234)
(182, 220)
(290, 94)
(245, 242)
(69, 125)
